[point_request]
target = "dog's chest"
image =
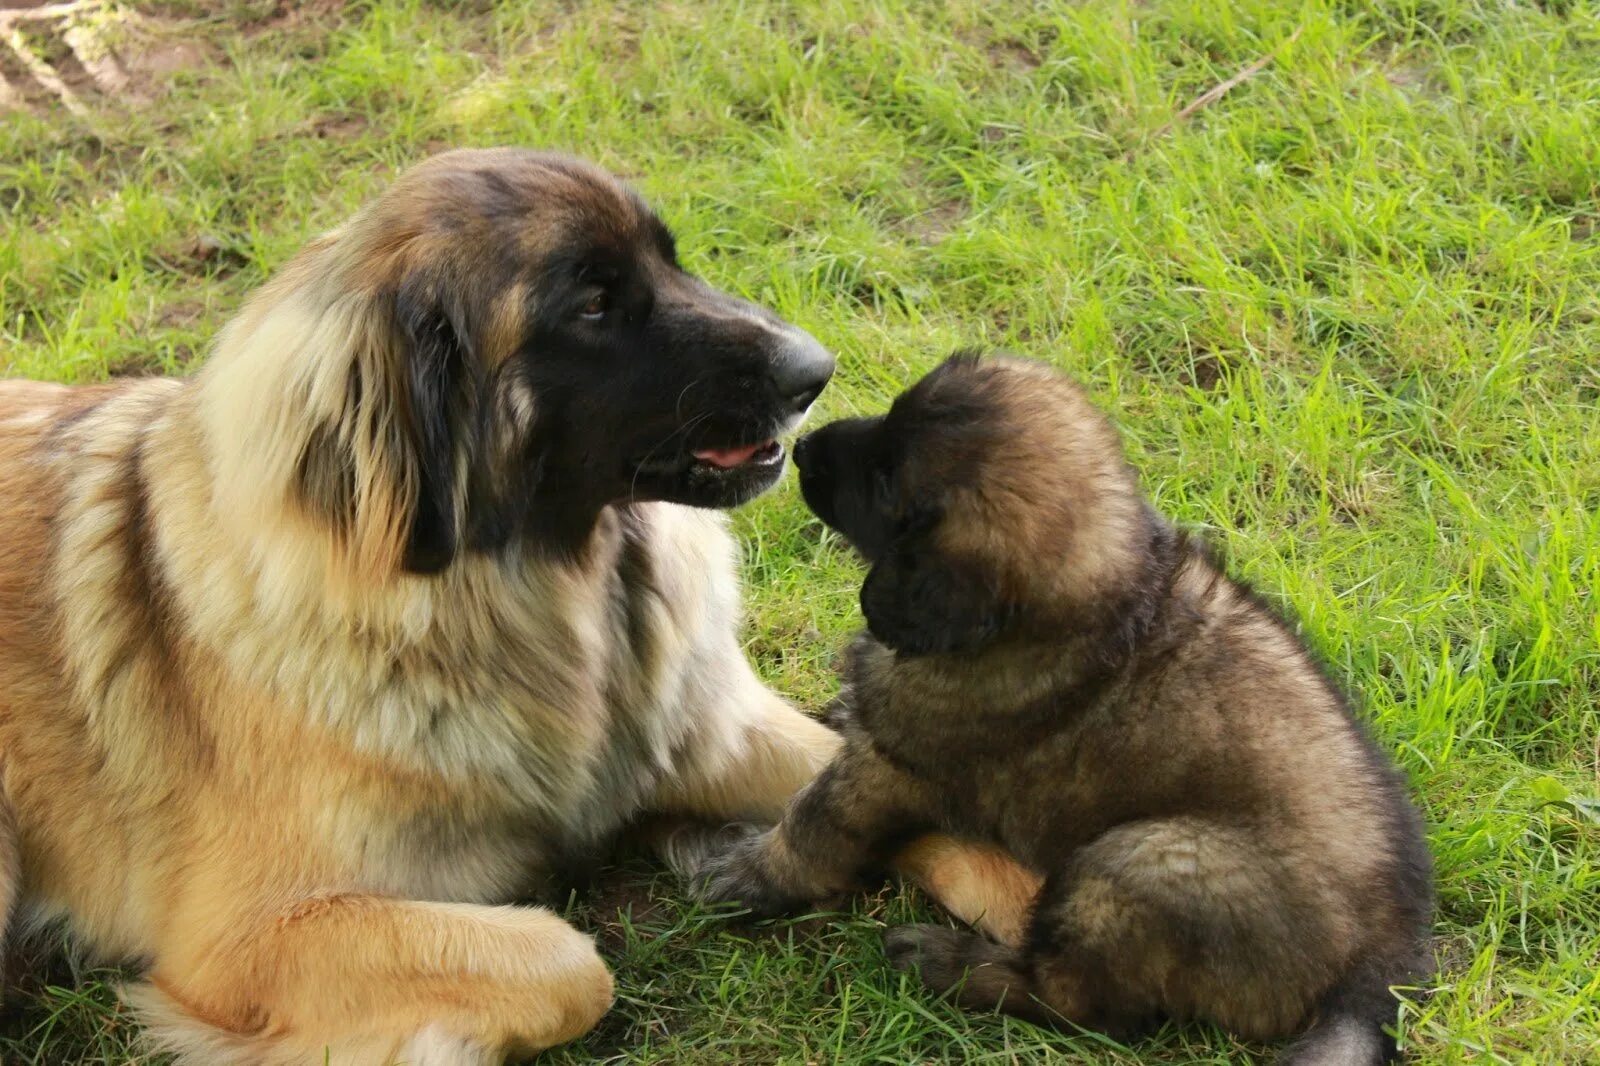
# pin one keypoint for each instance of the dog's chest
(507, 790)
(539, 748)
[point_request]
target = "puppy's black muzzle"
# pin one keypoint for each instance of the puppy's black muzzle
(813, 459)
(845, 479)
(804, 452)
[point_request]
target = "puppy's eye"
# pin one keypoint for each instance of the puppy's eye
(883, 487)
(596, 306)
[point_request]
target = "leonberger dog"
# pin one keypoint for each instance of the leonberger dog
(313, 663)
(1049, 665)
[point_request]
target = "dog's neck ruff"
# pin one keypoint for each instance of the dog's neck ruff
(502, 675)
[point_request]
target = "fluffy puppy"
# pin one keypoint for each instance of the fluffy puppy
(1051, 667)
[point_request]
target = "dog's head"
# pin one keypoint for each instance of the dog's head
(499, 347)
(992, 498)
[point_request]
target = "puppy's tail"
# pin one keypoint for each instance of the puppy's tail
(1350, 1024)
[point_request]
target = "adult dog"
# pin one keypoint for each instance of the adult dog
(311, 663)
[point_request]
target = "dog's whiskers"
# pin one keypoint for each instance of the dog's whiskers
(677, 405)
(684, 430)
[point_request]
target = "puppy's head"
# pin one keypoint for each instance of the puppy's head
(991, 499)
(500, 346)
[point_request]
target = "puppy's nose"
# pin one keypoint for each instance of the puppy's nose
(800, 369)
(804, 450)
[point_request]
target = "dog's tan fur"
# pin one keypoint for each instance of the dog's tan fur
(239, 742)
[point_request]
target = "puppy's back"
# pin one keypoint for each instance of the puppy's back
(1295, 763)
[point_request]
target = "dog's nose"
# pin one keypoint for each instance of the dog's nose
(801, 369)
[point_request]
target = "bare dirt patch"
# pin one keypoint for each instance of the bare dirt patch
(85, 57)
(938, 222)
(62, 55)
(1014, 54)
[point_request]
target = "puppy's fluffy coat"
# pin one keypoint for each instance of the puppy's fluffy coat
(1051, 667)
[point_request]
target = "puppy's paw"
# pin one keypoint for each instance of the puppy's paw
(840, 714)
(688, 848)
(742, 875)
(939, 955)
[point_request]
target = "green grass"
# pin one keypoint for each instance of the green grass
(1348, 316)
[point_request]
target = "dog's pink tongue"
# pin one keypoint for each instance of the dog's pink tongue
(728, 457)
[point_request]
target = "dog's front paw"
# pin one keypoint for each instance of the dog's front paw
(938, 954)
(742, 875)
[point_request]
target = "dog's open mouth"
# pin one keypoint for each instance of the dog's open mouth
(760, 454)
(759, 459)
(712, 473)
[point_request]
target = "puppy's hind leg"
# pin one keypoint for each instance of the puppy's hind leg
(1183, 917)
(981, 884)
(982, 975)
(1177, 917)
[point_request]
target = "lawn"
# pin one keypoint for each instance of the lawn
(1347, 313)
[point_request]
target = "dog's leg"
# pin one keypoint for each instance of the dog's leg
(750, 760)
(982, 975)
(1112, 942)
(370, 981)
(10, 873)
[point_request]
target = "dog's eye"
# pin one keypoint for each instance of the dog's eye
(596, 306)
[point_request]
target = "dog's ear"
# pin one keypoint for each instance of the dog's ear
(429, 379)
(379, 464)
(918, 602)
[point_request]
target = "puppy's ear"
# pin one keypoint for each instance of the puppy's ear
(430, 379)
(920, 603)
